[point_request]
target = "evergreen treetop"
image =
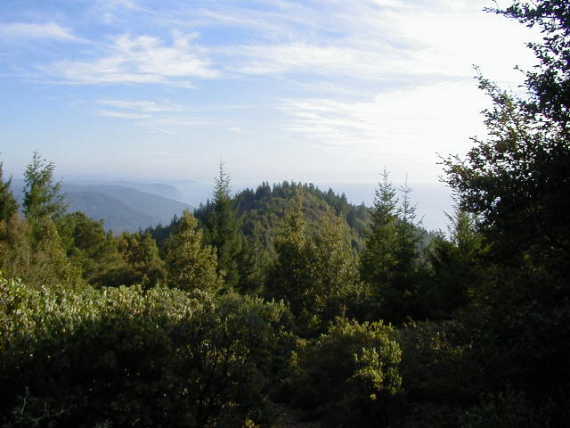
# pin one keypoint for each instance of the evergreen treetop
(42, 196)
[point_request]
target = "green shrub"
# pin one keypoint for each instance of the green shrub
(440, 364)
(507, 409)
(127, 357)
(350, 375)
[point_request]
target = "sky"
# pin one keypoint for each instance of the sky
(313, 90)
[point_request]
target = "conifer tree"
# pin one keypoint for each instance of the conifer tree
(390, 261)
(337, 269)
(50, 264)
(312, 269)
(223, 229)
(140, 253)
(458, 266)
(37, 252)
(8, 204)
(252, 261)
(42, 197)
(378, 260)
(335, 274)
(289, 276)
(190, 264)
(92, 249)
(408, 238)
(409, 270)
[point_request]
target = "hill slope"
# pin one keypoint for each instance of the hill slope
(261, 212)
(122, 209)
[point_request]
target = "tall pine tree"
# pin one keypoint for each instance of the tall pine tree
(390, 260)
(379, 259)
(223, 229)
(42, 196)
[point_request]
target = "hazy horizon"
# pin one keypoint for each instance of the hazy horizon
(432, 200)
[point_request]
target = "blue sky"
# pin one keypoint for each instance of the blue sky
(314, 90)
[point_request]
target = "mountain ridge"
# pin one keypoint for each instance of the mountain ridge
(121, 208)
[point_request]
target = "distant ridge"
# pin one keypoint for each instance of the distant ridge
(159, 189)
(122, 208)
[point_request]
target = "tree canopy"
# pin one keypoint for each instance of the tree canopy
(42, 196)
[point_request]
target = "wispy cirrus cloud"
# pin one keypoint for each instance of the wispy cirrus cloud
(367, 40)
(141, 106)
(156, 117)
(322, 59)
(48, 31)
(123, 114)
(403, 122)
(137, 60)
(149, 114)
(373, 42)
(112, 12)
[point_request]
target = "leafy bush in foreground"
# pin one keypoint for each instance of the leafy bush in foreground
(125, 357)
(349, 375)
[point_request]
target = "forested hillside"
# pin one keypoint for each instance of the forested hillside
(284, 304)
(260, 212)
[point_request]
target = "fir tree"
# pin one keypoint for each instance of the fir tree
(191, 264)
(390, 261)
(42, 197)
(458, 267)
(379, 259)
(223, 229)
(408, 237)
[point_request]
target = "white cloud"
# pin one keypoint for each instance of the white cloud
(48, 30)
(141, 106)
(160, 117)
(181, 122)
(123, 114)
(139, 59)
(348, 61)
(146, 114)
(413, 123)
(376, 40)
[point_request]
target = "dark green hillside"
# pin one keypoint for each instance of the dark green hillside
(261, 212)
(262, 209)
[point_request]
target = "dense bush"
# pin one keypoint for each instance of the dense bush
(350, 375)
(507, 409)
(127, 357)
(440, 363)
